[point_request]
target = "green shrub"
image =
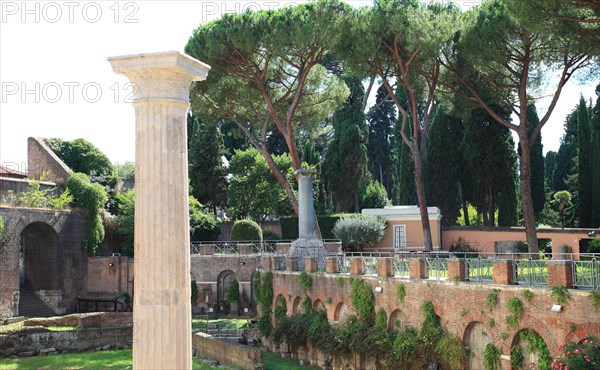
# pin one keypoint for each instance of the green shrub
(63, 200)
(246, 230)
(305, 282)
(1, 225)
(561, 294)
(401, 293)
(233, 293)
(451, 351)
(203, 226)
(363, 300)
(594, 246)
(374, 196)
(360, 231)
(381, 319)
(289, 226)
(492, 299)
(491, 357)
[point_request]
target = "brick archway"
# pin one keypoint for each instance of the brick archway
(39, 256)
(296, 305)
(476, 338)
(341, 313)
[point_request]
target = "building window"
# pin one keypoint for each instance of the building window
(399, 236)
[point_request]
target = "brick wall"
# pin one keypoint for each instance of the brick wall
(245, 357)
(43, 161)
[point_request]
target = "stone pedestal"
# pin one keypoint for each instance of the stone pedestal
(331, 265)
(502, 272)
(384, 267)
(310, 264)
(418, 268)
(306, 245)
(162, 309)
(356, 266)
(560, 273)
(457, 269)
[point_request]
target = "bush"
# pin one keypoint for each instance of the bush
(194, 292)
(360, 231)
(375, 196)
(461, 247)
(594, 246)
(582, 355)
(233, 293)
(246, 229)
(203, 226)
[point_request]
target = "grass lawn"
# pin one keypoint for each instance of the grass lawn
(122, 360)
(201, 324)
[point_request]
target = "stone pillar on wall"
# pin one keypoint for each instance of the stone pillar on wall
(457, 269)
(331, 266)
(310, 264)
(418, 268)
(356, 266)
(384, 267)
(502, 272)
(560, 273)
(162, 310)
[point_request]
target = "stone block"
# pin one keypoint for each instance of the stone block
(291, 264)
(384, 267)
(310, 264)
(418, 268)
(356, 266)
(331, 266)
(457, 270)
(502, 271)
(560, 273)
(207, 249)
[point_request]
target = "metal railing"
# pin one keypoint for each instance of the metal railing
(437, 267)
(586, 273)
(369, 265)
(478, 269)
(343, 264)
(401, 266)
(530, 271)
(246, 246)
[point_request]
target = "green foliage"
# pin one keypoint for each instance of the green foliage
(594, 246)
(233, 293)
(345, 162)
(63, 200)
(360, 231)
(1, 225)
(561, 294)
(340, 281)
(91, 197)
(207, 172)
(125, 203)
(375, 196)
(583, 355)
(464, 312)
(594, 297)
(125, 171)
(491, 357)
(82, 156)
(535, 343)
(363, 300)
(249, 170)
(194, 290)
(527, 294)
(289, 226)
(516, 357)
(264, 295)
(305, 282)
(400, 292)
(584, 174)
(306, 305)
(280, 309)
(203, 226)
(461, 248)
(245, 230)
(492, 323)
(451, 351)
(515, 307)
(492, 298)
(34, 197)
(538, 193)
(381, 319)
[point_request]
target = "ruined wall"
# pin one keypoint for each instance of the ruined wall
(110, 274)
(461, 307)
(68, 258)
(245, 357)
(41, 160)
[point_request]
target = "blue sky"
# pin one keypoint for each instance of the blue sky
(56, 81)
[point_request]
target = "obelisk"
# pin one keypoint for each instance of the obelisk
(162, 306)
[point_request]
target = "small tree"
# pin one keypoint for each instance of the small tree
(563, 200)
(375, 196)
(244, 230)
(358, 232)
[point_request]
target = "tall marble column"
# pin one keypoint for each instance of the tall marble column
(161, 308)
(306, 204)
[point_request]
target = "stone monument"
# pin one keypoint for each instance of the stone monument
(162, 308)
(306, 245)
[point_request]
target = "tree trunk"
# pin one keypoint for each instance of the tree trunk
(356, 205)
(422, 199)
(463, 203)
(280, 178)
(526, 199)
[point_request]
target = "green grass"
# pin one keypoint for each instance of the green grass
(122, 360)
(19, 325)
(86, 360)
(200, 324)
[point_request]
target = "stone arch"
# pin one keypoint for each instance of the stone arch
(476, 338)
(318, 305)
(531, 356)
(223, 281)
(341, 313)
(397, 321)
(39, 256)
(280, 301)
(296, 305)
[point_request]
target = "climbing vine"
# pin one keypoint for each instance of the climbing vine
(305, 282)
(264, 295)
(595, 298)
(491, 357)
(535, 343)
(492, 298)
(515, 307)
(381, 319)
(561, 294)
(401, 292)
(363, 300)
(528, 295)
(516, 357)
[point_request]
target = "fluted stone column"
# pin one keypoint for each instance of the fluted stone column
(306, 207)
(162, 309)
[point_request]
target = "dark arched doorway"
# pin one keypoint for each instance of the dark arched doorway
(39, 257)
(223, 281)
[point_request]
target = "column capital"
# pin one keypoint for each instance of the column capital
(303, 172)
(156, 76)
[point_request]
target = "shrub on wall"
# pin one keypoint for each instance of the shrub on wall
(194, 292)
(233, 293)
(246, 230)
(360, 231)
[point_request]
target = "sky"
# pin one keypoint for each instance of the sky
(55, 80)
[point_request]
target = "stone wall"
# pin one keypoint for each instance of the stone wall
(42, 161)
(14, 187)
(66, 259)
(461, 307)
(73, 340)
(110, 274)
(245, 357)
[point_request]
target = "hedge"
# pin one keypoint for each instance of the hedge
(289, 226)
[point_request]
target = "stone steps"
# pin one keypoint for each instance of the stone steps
(30, 305)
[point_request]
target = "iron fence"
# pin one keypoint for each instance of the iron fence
(437, 267)
(479, 269)
(586, 273)
(401, 266)
(530, 271)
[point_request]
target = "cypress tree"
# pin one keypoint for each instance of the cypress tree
(345, 162)
(381, 140)
(538, 195)
(444, 163)
(407, 189)
(565, 158)
(549, 164)
(596, 161)
(584, 149)
(207, 173)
